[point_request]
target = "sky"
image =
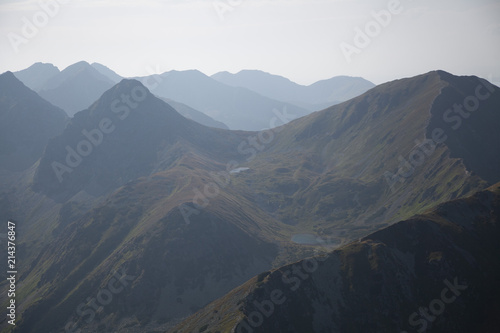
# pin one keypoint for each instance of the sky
(303, 40)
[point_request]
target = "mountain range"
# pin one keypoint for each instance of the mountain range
(314, 97)
(206, 100)
(73, 88)
(183, 215)
(238, 108)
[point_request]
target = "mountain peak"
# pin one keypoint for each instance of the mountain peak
(255, 71)
(186, 73)
(81, 63)
(454, 79)
(127, 93)
(128, 87)
(126, 83)
(76, 87)
(77, 67)
(28, 122)
(37, 75)
(41, 67)
(107, 72)
(445, 76)
(8, 76)
(10, 83)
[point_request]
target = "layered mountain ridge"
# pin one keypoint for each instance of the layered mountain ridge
(126, 134)
(238, 108)
(191, 212)
(72, 88)
(314, 97)
(80, 84)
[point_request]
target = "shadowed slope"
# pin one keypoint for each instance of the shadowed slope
(435, 272)
(27, 122)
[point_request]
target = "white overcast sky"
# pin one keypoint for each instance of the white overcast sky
(298, 39)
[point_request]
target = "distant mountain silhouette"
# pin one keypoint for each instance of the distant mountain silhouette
(75, 88)
(314, 97)
(35, 76)
(81, 84)
(238, 108)
(190, 113)
(107, 72)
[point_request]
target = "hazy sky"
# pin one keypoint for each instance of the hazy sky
(299, 39)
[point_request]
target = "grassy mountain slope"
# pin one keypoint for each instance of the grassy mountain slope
(178, 267)
(350, 169)
(122, 201)
(435, 272)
